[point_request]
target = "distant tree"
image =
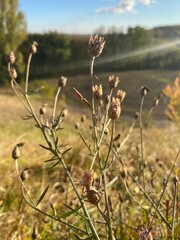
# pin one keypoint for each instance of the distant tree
(12, 33)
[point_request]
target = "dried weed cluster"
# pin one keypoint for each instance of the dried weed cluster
(111, 197)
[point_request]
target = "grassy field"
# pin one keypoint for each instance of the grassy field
(160, 140)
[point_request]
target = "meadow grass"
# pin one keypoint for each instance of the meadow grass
(103, 179)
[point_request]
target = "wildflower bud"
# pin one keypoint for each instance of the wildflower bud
(25, 174)
(11, 58)
(76, 126)
(62, 81)
(97, 91)
(121, 95)
(93, 196)
(123, 172)
(13, 73)
(136, 115)
(65, 112)
(96, 45)
(175, 180)
(144, 90)
(16, 152)
(83, 118)
(35, 232)
(114, 111)
(42, 109)
(113, 81)
(33, 47)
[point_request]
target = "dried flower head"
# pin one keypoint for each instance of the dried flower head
(62, 81)
(93, 196)
(145, 234)
(24, 174)
(144, 90)
(11, 57)
(83, 118)
(113, 81)
(87, 180)
(97, 91)
(96, 45)
(136, 115)
(33, 47)
(121, 95)
(64, 112)
(16, 153)
(42, 109)
(123, 172)
(114, 111)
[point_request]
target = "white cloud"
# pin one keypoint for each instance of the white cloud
(125, 6)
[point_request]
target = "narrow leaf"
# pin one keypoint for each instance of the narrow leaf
(42, 195)
(47, 148)
(111, 182)
(69, 213)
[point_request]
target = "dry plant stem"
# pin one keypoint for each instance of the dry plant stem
(55, 104)
(94, 114)
(27, 73)
(165, 186)
(141, 137)
(174, 210)
(56, 153)
(145, 193)
(110, 146)
(111, 237)
(128, 135)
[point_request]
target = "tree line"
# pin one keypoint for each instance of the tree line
(67, 54)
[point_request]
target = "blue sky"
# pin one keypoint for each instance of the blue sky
(87, 16)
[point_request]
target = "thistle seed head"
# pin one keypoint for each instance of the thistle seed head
(33, 47)
(113, 81)
(96, 45)
(87, 180)
(93, 196)
(42, 109)
(16, 153)
(25, 174)
(114, 111)
(121, 95)
(144, 90)
(62, 81)
(97, 91)
(11, 57)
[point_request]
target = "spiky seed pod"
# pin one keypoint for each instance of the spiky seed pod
(25, 174)
(93, 196)
(145, 234)
(96, 45)
(114, 111)
(121, 95)
(16, 153)
(144, 90)
(62, 81)
(33, 47)
(97, 91)
(76, 125)
(113, 81)
(42, 109)
(11, 57)
(13, 73)
(35, 232)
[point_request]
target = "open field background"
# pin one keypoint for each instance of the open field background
(161, 141)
